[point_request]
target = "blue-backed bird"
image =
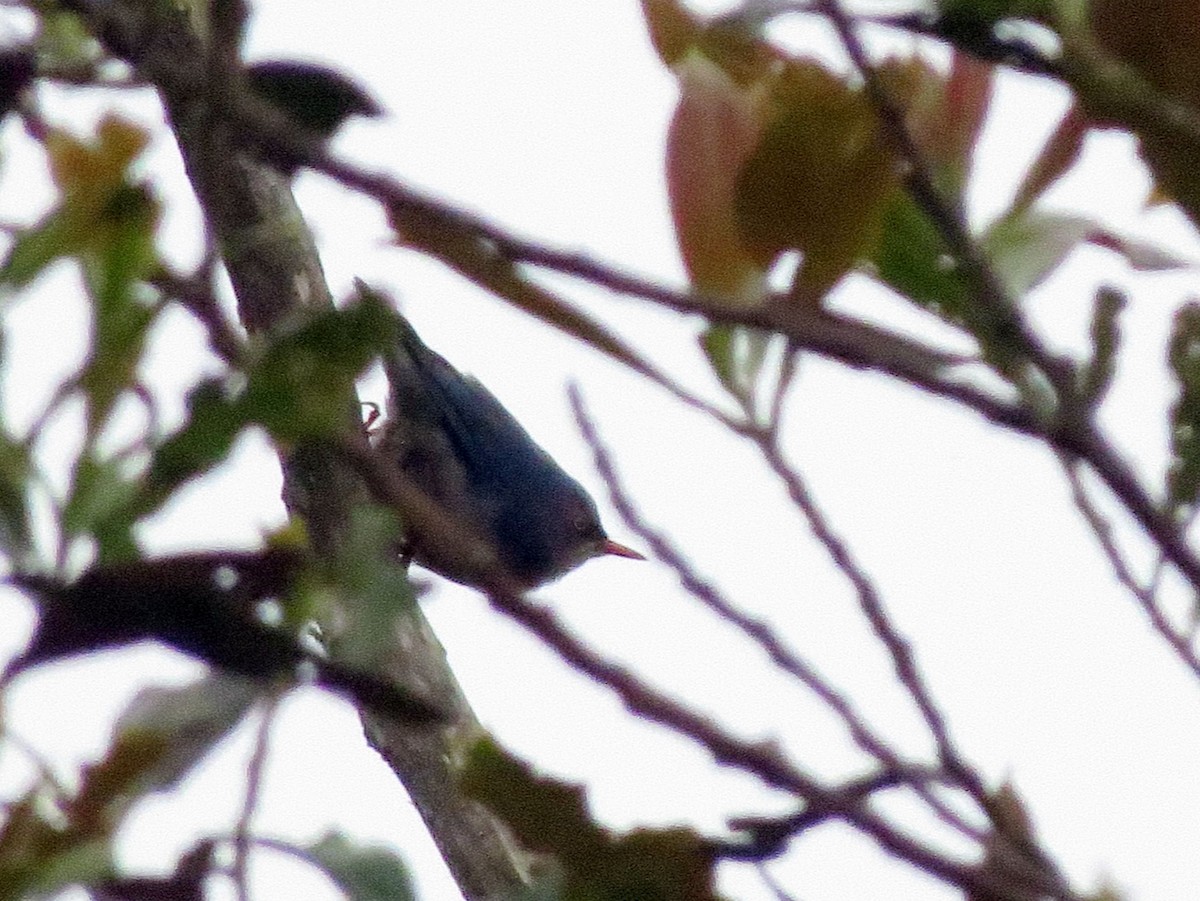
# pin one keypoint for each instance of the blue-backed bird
(453, 438)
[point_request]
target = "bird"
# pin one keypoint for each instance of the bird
(316, 98)
(453, 439)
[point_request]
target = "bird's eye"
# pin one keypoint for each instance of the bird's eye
(584, 525)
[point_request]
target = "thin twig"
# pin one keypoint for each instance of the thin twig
(992, 298)
(242, 836)
(756, 630)
(765, 762)
(195, 293)
(1143, 594)
(773, 885)
(871, 603)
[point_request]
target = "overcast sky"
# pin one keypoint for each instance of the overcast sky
(549, 118)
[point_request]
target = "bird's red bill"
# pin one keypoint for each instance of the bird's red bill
(619, 550)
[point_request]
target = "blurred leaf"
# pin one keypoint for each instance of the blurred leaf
(37, 247)
(946, 113)
(44, 849)
(363, 873)
(1144, 256)
(193, 717)
(551, 817)
(300, 387)
(1106, 337)
(673, 29)
(1060, 152)
(108, 223)
(736, 355)
(715, 127)
(94, 197)
(39, 857)
(63, 41)
(912, 258)
(1026, 247)
(1136, 65)
(79, 863)
(16, 473)
(375, 587)
(1183, 357)
(819, 180)
(213, 422)
(1010, 856)
(1158, 39)
(100, 492)
(89, 173)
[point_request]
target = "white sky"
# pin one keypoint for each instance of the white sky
(549, 118)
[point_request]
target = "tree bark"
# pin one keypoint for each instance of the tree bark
(277, 277)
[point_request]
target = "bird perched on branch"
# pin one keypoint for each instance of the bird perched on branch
(457, 442)
(314, 97)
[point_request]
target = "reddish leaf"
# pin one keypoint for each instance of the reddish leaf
(946, 113)
(714, 130)
(1059, 154)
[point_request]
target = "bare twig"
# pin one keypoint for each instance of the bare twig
(1143, 594)
(195, 293)
(242, 835)
(994, 306)
(1071, 433)
(871, 603)
(765, 762)
(754, 629)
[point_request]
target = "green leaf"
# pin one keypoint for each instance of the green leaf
(190, 720)
(63, 41)
(551, 817)
(912, 259)
(16, 473)
(98, 504)
(819, 180)
(39, 856)
(303, 384)
(372, 585)
(204, 440)
(99, 206)
(300, 388)
(83, 863)
(736, 355)
(1183, 357)
(1106, 338)
(1026, 248)
(37, 247)
(369, 873)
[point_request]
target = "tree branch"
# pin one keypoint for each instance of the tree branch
(273, 265)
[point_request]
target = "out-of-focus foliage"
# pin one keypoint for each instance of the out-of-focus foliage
(590, 862)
